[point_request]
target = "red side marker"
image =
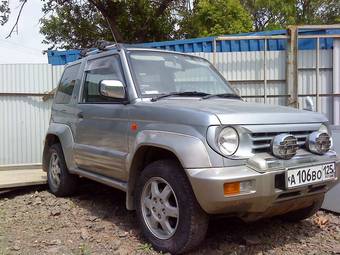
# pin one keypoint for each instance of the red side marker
(134, 126)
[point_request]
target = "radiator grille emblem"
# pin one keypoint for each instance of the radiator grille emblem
(284, 146)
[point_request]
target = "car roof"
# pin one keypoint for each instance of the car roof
(96, 53)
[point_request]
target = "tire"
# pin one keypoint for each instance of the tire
(61, 183)
(189, 228)
(304, 213)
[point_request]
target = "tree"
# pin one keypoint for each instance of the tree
(74, 26)
(317, 11)
(270, 14)
(216, 17)
(4, 11)
(278, 14)
(78, 24)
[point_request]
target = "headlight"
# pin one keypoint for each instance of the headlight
(324, 129)
(228, 141)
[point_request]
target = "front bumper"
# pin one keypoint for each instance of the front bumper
(266, 197)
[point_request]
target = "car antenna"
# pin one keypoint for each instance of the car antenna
(113, 34)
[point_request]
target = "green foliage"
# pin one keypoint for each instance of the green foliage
(218, 17)
(79, 24)
(74, 26)
(317, 11)
(4, 11)
(278, 14)
(84, 250)
(145, 248)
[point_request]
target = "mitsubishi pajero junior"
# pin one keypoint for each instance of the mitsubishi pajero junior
(168, 129)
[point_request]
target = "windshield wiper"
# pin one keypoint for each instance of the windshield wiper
(185, 93)
(224, 95)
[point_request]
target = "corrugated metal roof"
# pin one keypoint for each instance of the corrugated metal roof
(205, 44)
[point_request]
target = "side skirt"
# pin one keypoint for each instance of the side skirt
(121, 185)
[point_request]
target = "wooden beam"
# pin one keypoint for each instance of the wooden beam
(14, 178)
(291, 67)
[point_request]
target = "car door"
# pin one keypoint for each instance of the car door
(101, 128)
(63, 104)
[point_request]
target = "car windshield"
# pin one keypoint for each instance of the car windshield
(160, 73)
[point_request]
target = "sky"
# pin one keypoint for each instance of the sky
(24, 46)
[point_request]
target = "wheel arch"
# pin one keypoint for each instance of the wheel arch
(50, 139)
(59, 133)
(188, 150)
(143, 156)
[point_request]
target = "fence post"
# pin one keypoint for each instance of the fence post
(214, 52)
(336, 82)
(265, 71)
(317, 69)
(291, 66)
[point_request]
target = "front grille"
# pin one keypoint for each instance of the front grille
(261, 141)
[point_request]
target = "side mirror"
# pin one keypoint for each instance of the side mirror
(112, 89)
(309, 104)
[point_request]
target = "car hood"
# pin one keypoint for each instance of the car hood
(230, 111)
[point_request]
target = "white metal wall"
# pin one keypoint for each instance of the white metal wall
(336, 82)
(24, 116)
(245, 71)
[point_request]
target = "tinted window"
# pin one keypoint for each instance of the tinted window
(66, 85)
(107, 68)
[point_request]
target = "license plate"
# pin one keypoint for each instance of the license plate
(309, 175)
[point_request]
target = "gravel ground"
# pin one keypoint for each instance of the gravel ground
(95, 221)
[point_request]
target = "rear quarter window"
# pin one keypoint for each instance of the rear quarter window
(66, 85)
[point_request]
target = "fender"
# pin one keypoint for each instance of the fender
(190, 150)
(64, 133)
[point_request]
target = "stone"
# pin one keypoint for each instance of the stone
(15, 248)
(55, 212)
(37, 201)
(84, 234)
(123, 234)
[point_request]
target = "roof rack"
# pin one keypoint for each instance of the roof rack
(102, 45)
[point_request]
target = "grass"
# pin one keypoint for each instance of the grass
(84, 250)
(145, 248)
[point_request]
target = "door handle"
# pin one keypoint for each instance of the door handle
(80, 115)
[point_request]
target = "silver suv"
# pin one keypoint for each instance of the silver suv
(168, 129)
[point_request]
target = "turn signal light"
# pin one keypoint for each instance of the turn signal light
(232, 188)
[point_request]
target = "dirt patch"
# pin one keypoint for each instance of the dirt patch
(95, 221)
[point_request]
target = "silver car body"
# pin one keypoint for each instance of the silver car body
(99, 144)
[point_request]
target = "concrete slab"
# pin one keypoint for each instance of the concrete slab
(11, 178)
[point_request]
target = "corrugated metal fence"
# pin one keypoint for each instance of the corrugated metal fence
(24, 116)
(245, 71)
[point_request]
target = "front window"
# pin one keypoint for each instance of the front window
(159, 73)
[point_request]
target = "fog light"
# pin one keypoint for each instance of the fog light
(246, 186)
(284, 146)
(232, 188)
(318, 142)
